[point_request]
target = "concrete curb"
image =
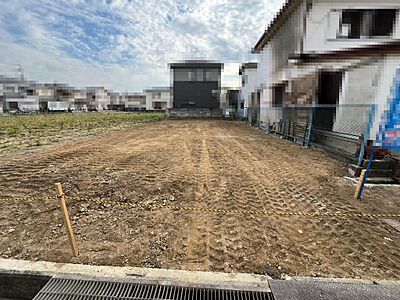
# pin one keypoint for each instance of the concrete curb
(346, 280)
(234, 281)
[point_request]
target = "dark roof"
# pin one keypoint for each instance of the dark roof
(137, 95)
(280, 18)
(350, 53)
(4, 79)
(249, 65)
(95, 88)
(13, 80)
(196, 64)
(158, 89)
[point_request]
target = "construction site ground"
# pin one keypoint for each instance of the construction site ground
(239, 186)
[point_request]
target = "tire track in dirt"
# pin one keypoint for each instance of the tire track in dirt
(247, 235)
(213, 164)
(198, 248)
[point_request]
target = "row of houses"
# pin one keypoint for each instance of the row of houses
(18, 94)
(196, 84)
(327, 62)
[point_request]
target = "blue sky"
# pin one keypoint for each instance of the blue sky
(126, 45)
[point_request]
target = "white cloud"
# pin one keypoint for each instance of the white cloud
(126, 45)
(45, 67)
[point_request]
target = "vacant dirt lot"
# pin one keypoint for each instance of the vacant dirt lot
(198, 164)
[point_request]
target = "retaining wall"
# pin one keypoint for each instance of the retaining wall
(193, 113)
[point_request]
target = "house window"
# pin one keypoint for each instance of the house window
(192, 75)
(212, 75)
(181, 75)
(189, 75)
(367, 23)
(156, 95)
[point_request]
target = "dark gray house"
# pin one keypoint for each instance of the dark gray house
(196, 84)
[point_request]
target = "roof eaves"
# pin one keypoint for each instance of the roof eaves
(246, 66)
(276, 23)
(350, 53)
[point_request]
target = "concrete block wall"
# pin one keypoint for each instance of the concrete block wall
(193, 113)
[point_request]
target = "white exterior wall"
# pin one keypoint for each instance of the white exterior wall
(114, 99)
(123, 99)
(8, 88)
(134, 102)
(151, 97)
(166, 96)
(30, 103)
(359, 91)
(273, 67)
(45, 92)
(58, 105)
(248, 87)
(102, 99)
(265, 65)
(79, 97)
(149, 102)
(224, 101)
(360, 83)
(363, 83)
(323, 22)
(367, 83)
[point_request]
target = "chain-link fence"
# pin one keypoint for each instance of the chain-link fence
(337, 128)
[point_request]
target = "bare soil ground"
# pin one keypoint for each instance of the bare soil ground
(210, 164)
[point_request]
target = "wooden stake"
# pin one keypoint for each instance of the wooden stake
(357, 193)
(64, 212)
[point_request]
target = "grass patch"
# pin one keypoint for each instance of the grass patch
(45, 128)
(12, 125)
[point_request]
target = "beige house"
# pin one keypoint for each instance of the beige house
(158, 98)
(134, 101)
(97, 98)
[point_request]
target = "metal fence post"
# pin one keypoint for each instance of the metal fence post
(365, 177)
(310, 125)
(371, 118)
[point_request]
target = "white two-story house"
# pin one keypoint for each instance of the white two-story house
(341, 53)
(248, 72)
(158, 98)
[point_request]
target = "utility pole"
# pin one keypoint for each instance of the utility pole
(20, 72)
